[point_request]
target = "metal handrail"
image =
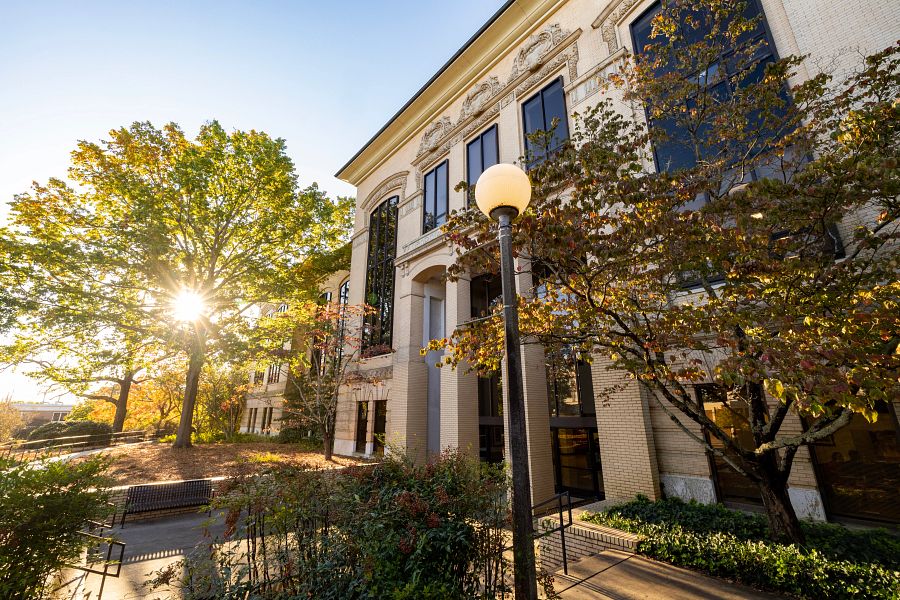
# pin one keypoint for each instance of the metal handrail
(52, 446)
(558, 498)
(561, 510)
(88, 567)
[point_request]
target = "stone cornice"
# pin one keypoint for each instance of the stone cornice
(542, 53)
(508, 31)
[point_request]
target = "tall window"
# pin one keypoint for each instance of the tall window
(380, 276)
(716, 82)
(484, 292)
(540, 113)
(437, 184)
(570, 388)
(481, 153)
(274, 373)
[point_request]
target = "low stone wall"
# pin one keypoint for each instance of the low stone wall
(582, 539)
(118, 495)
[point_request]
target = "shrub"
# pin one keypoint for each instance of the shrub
(42, 509)
(836, 563)
(62, 429)
(393, 530)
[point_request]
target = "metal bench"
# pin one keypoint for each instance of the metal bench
(164, 496)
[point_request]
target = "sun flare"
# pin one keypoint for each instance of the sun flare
(188, 306)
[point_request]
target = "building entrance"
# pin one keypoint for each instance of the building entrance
(576, 461)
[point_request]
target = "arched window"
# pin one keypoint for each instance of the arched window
(380, 277)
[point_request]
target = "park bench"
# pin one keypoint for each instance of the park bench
(165, 496)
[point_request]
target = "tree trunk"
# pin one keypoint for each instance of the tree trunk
(122, 402)
(327, 444)
(783, 522)
(192, 384)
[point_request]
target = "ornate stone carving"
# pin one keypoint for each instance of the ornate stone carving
(569, 55)
(477, 99)
(608, 26)
(395, 181)
(532, 53)
(434, 134)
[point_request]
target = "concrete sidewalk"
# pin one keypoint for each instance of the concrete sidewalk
(151, 545)
(616, 575)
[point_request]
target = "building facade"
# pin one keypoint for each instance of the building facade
(533, 62)
(263, 412)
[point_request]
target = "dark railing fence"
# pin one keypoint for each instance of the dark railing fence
(561, 505)
(104, 553)
(29, 450)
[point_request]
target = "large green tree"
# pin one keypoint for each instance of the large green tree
(728, 268)
(165, 221)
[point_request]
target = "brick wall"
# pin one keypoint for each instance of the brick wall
(582, 540)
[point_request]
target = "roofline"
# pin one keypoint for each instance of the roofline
(415, 96)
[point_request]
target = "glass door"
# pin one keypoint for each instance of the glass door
(576, 457)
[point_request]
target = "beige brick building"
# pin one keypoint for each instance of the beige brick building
(535, 60)
(265, 400)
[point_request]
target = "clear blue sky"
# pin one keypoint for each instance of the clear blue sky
(323, 75)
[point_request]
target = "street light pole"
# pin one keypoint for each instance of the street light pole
(524, 576)
(502, 193)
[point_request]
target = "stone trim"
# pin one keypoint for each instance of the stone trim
(541, 54)
(609, 18)
(395, 181)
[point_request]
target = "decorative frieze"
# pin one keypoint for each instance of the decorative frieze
(531, 55)
(609, 19)
(539, 56)
(478, 98)
(434, 134)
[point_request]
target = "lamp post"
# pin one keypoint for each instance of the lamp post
(502, 193)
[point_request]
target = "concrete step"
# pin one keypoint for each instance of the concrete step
(617, 575)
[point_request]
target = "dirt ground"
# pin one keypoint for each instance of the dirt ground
(152, 462)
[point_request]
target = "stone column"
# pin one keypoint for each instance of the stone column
(627, 449)
(459, 391)
(407, 418)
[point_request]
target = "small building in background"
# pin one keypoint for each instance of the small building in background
(35, 414)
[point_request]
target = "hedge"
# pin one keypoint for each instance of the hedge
(835, 563)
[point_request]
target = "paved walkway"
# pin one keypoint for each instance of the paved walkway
(616, 575)
(151, 545)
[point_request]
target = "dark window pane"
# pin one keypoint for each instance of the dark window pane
(441, 192)
(490, 151)
(859, 468)
(380, 273)
(533, 115)
(681, 147)
(435, 200)
(474, 168)
(429, 201)
(555, 113)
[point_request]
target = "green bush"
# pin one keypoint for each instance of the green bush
(835, 563)
(61, 429)
(42, 509)
(393, 530)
